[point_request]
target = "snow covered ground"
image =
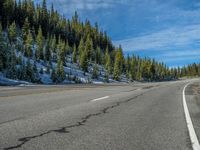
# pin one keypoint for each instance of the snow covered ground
(6, 81)
(74, 74)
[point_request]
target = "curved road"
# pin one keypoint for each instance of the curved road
(95, 117)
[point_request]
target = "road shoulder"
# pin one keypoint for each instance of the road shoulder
(192, 96)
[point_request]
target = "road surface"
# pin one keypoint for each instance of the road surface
(146, 116)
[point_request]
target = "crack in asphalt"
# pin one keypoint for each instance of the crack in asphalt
(19, 118)
(65, 129)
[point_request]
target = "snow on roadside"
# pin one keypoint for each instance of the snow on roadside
(74, 74)
(10, 82)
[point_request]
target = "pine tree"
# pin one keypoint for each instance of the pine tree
(60, 71)
(35, 70)
(139, 71)
(36, 74)
(121, 59)
(117, 67)
(81, 48)
(44, 18)
(29, 71)
(7, 12)
(1, 6)
(12, 32)
(107, 64)
(95, 71)
(98, 58)
(128, 67)
(25, 30)
(53, 44)
(68, 49)
(89, 47)
(132, 70)
(11, 65)
(1, 64)
(119, 62)
(21, 72)
(153, 70)
(146, 70)
(62, 52)
(53, 48)
(2, 55)
(31, 11)
(28, 45)
(84, 61)
(39, 40)
(74, 55)
(48, 51)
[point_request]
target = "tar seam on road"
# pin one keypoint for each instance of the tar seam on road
(98, 99)
(193, 136)
(66, 129)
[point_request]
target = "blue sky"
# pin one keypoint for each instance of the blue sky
(168, 31)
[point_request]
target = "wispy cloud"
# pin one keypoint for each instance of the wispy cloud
(165, 39)
(72, 5)
(181, 61)
(185, 53)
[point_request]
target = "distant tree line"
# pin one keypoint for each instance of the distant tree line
(192, 70)
(32, 33)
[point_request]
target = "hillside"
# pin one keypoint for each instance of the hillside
(40, 46)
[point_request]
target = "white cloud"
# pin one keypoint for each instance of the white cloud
(165, 39)
(183, 54)
(187, 59)
(72, 5)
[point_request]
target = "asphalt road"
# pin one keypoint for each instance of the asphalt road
(94, 117)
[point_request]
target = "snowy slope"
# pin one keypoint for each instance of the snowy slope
(74, 73)
(6, 81)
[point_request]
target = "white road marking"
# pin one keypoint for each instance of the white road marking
(193, 136)
(98, 99)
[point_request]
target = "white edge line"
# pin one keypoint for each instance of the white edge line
(98, 99)
(193, 136)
